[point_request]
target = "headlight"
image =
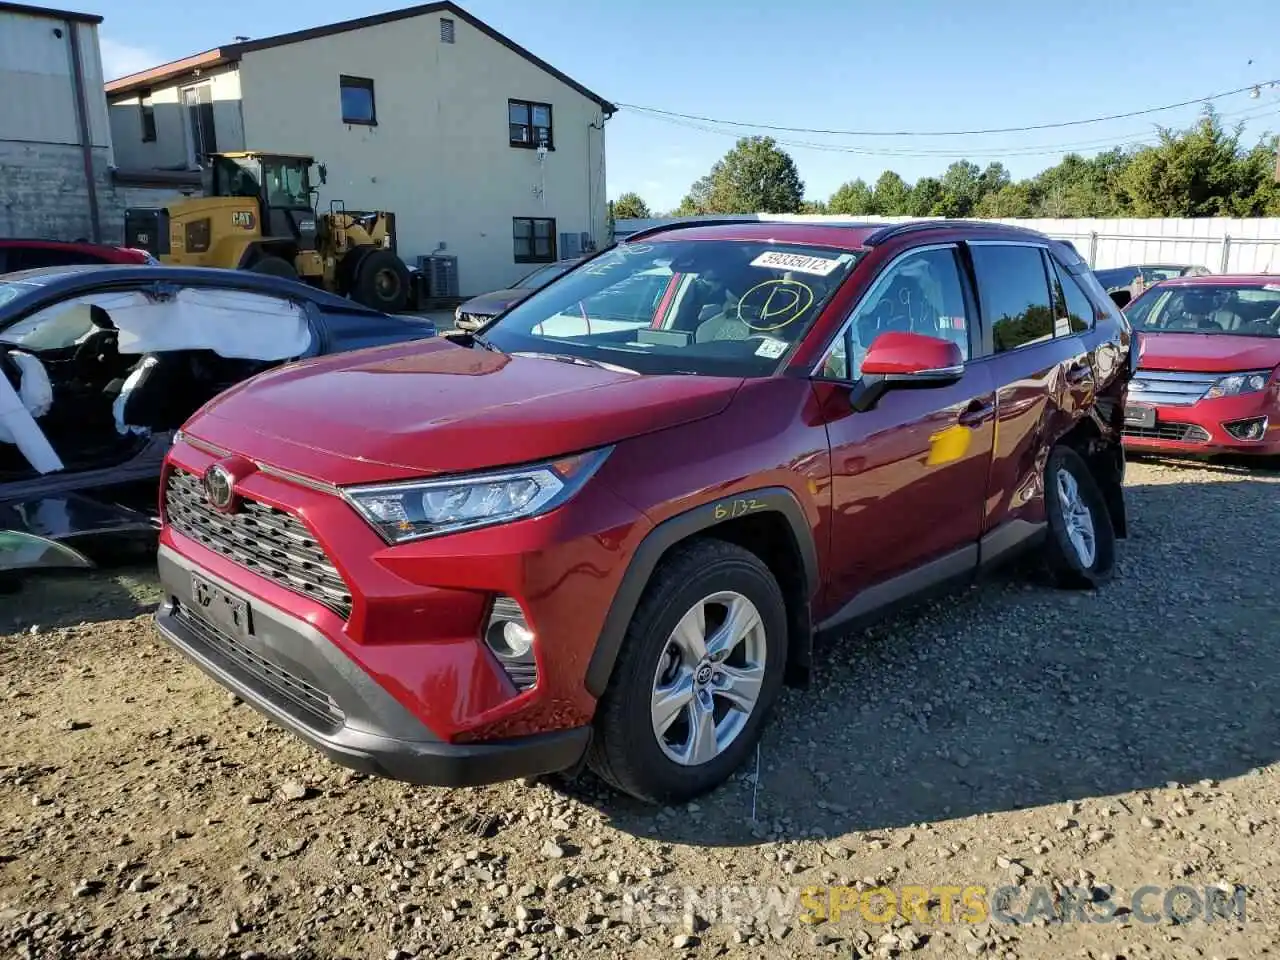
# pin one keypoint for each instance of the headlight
(428, 508)
(1239, 383)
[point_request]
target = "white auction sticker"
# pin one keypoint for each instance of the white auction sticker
(771, 348)
(781, 260)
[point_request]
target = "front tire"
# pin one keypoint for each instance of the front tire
(1081, 552)
(274, 267)
(382, 281)
(699, 670)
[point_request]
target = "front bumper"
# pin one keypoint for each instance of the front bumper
(1200, 429)
(289, 671)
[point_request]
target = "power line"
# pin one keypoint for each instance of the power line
(1137, 138)
(948, 133)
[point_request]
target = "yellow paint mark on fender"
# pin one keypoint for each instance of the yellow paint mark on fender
(949, 445)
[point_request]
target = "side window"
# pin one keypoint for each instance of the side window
(1015, 294)
(921, 293)
(1073, 303)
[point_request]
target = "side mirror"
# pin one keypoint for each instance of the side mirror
(899, 360)
(324, 173)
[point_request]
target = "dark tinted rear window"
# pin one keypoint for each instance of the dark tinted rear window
(1015, 294)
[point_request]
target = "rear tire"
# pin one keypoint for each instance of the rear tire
(274, 267)
(710, 632)
(382, 281)
(1081, 550)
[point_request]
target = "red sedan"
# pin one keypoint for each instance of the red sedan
(1208, 378)
(22, 254)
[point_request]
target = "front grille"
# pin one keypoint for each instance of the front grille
(305, 701)
(1170, 388)
(1179, 432)
(270, 542)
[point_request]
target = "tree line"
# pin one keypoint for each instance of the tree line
(1204, 170)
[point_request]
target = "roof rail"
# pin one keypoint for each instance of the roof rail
(685, 224)
(914, 226)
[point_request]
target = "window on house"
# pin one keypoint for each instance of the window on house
(446, 30)
(535, 239)
(1015, 294)
(147, 119)
(357, 101)
(530, 124)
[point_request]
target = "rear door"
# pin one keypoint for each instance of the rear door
(1042, 366)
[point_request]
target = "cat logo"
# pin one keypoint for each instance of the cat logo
(243, 218)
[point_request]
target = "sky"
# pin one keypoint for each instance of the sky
(894, 65)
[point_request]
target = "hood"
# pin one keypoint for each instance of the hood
(493, 303)
(1207, 352)
(412, 410)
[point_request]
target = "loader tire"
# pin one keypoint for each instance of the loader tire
(382, 282)
(275, 267)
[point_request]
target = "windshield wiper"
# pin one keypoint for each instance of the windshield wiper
(476, 338)
(580, 361)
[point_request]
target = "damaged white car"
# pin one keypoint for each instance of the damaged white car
(99, 365)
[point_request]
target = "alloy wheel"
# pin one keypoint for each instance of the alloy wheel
(1077, 519)
(709, 678)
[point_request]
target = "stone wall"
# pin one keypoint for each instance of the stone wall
(43, 193)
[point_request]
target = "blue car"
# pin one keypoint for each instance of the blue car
(100, 365)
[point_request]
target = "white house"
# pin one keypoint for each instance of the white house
(55, 141)
(482, 150)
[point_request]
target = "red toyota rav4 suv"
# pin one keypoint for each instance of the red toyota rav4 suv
(606, 527)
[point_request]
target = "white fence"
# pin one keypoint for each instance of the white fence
(1222, 244)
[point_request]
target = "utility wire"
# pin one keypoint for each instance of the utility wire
(1137, 138)
(948, 133)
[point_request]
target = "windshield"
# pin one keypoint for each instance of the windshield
(543, 275)
(713, 307)
(9, 291)
(236, 177)
(1243, 310)
(287, 184)
(1116, 277)
(1156, 274)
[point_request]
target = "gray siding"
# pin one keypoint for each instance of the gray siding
(43, 193)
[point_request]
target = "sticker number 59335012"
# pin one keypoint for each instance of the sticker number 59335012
(800, 263)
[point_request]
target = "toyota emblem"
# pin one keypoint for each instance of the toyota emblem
(218, 487)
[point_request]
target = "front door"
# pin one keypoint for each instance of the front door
(909, 476)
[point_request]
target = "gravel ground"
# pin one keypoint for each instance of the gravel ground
(1058, 746)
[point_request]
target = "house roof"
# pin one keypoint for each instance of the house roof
(231, 53)
(48, 13)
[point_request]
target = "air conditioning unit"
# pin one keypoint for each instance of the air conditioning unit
(441, 273)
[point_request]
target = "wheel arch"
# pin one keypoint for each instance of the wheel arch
(771, 523)
(257, 249)
(1105, 459)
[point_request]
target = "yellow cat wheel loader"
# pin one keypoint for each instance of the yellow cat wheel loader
(259, 213)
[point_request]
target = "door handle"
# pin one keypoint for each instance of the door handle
(1079, 372)
(976, 413)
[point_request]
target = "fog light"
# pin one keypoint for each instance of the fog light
(509, 638)
(1254, 428)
